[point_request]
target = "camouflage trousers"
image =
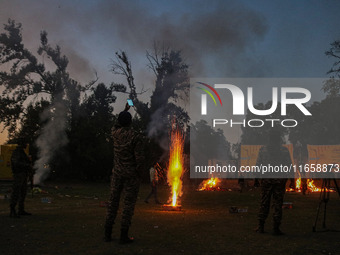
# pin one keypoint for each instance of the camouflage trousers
(19, 190)
(153, 192)
(276, 189)
(130, 187)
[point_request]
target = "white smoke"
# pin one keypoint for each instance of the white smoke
(157, 127)
(52, 138)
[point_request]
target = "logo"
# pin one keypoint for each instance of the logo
(289, 96)
(238, 99)
(204, 97)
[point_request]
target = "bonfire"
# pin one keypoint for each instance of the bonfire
(211, 184)
(310, 187)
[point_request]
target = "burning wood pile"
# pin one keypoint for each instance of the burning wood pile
(307, 186)
(211, 184)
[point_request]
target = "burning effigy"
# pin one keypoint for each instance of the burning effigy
(175, 170)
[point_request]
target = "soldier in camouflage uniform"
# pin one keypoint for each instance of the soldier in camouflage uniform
(128, 160)
(21, 166)
(274, 154)
(153, 184)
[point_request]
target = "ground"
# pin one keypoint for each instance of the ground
(73, 224)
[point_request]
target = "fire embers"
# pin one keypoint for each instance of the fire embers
(172, 208)
(303, 185)
(211, 184)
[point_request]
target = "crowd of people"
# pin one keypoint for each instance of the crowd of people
(129, 161)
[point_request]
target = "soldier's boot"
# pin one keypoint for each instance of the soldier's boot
(108, 232)
(260, 228)
(13, 213)
(276, 230)
(22, 212)
(124, 238)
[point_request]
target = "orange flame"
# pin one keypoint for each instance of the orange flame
(311, 187)
(210, 184)
(298, 184)
(175, 170)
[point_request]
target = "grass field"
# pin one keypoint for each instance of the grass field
(73, 224)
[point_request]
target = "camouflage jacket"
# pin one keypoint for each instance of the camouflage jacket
(274, 157)
(128, 152)
(20, 161)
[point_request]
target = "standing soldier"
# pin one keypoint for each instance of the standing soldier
(273, 154)
(153, 183)
(21, 167)
(128, 161)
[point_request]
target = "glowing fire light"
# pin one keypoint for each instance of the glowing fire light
(210, 184)
(175, 170)
(298, 184)
(311, 187)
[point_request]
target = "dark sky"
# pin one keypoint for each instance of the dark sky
(218, 38)
(254, 38)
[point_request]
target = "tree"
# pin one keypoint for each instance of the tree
(26, 77)
(332, 85)
(320, 128)
(31, 125)
(26, 80)
(204, 135)
(171, 84)
(155, 118)
(323, 126)
(92, 147)
(334, 51)
(259, 135)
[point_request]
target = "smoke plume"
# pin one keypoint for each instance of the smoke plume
(157, 128)
(217, 39)
(52, 138)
